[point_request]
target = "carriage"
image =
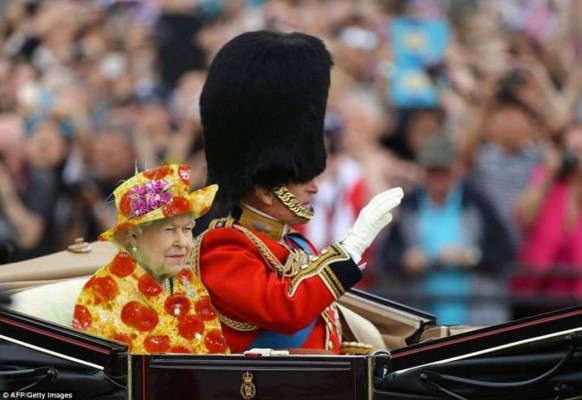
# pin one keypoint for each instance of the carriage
(538, 357)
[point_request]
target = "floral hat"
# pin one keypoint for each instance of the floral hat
(158, 193)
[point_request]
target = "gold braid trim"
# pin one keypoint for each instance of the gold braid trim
(317, 266)
(195, 255)
(331, 324)
(237, 325)
(291, 202)
(231, 323)
(327, 318)
(333, 282)
(291, 267)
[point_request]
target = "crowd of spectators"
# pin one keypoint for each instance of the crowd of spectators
(90, 90)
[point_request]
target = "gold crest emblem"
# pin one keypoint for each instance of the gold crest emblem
(248, 389)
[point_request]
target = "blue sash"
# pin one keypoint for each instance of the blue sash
(275, 340)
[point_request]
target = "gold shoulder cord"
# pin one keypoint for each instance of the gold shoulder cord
(291, 267)
(231, 323)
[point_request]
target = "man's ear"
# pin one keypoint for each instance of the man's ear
(264, 195)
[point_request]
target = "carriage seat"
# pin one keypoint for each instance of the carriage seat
(54, 302)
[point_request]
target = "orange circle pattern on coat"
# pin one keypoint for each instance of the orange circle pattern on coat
(204, 309)
(82, 318)
(139, 316)
(122, 265)
(123, 302)
(157, 343)
(120, 337)
(177, 305)
(214, 342)
(189, 326)
(179, 349)
(185, 273)
(103, 288)
(148, 286)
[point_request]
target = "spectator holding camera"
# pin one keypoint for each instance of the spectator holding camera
(549, 213)
(447, 247)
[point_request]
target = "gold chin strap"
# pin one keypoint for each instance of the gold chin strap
(291, 202)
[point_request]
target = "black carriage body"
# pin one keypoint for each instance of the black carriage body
(538, 357)
(39, 357)
(534, 358)
(241, 377)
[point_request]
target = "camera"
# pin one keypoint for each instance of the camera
(569, 162)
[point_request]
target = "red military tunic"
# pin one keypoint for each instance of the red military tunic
(259, 283)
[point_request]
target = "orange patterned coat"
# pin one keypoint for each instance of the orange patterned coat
(123, 302)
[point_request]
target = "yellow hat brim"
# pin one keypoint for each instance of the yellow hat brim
(197, 203)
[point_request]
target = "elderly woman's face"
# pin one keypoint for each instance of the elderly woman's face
(164, 247)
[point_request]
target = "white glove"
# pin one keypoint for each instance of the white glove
(375, 216)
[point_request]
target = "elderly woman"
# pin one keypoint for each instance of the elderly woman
(147, 296)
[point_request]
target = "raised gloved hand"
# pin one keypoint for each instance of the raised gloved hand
(375, 216)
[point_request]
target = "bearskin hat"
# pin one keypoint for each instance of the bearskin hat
(262, 108)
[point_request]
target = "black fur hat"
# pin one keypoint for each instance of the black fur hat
(262, 108)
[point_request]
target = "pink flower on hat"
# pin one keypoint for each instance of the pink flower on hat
(149, 196)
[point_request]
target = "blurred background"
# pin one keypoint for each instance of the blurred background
(472, 106)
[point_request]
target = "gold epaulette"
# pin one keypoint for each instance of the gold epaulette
(333, 253)
(226, 222)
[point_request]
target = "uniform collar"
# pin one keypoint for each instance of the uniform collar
(251, 218)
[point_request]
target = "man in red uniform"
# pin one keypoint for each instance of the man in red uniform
(263, 108)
